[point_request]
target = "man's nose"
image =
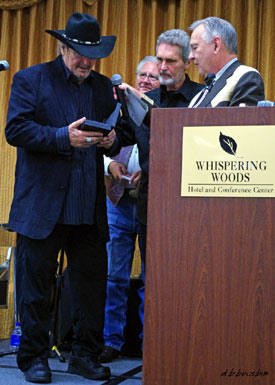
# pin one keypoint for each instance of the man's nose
(86, 61)
(191, 56)
(163, 65)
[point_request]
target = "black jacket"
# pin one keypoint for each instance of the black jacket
(131, 134)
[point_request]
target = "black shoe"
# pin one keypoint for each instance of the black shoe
(108, 354)
(38, 372)
(83, 366)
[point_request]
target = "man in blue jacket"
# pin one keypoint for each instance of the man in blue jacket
(59, 195)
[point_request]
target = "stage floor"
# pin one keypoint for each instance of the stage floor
(125, 370)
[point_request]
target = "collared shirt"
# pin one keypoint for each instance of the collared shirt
(209, 86)
(224, 68)
(179, 98)
(80, 199)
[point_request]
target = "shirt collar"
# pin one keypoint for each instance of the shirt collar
(224, 68)
(185, 90)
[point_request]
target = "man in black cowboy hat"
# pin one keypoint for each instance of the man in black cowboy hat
(59, 195)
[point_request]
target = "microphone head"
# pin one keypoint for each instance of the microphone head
(116, 79)
(265, 103)
(5, 64)
(209, 78)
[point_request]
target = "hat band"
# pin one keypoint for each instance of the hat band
(80, 41)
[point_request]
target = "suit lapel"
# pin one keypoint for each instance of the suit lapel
(219, 85)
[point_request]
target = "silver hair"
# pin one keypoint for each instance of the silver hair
(60, 45)
(147, 59)
(214, 26)
(176, 37)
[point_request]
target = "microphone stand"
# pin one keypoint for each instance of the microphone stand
(57, 293)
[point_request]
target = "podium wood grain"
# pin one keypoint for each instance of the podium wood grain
(209, 308)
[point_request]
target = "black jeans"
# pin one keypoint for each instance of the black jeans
(36, 264)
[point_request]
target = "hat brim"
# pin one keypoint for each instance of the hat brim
(97, 51)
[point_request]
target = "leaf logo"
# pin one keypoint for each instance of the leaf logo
(228, 144)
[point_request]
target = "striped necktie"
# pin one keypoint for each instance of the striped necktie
(209, 80)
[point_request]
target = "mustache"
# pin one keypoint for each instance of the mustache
(165, 73)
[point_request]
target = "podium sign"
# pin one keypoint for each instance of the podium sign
(210, 263)
(228, 161)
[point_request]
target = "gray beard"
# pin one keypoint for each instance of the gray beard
(166, 82)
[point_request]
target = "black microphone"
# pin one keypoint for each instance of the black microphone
(4, 65)
(116, 81)
(208, 80)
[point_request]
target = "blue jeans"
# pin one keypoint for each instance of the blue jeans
(124, 228)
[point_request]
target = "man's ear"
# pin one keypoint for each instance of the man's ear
(63, 49)
(217, 44)
(187, 65)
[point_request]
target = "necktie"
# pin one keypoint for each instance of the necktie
(209, 80)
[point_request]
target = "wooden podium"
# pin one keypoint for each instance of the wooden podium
(210, 268)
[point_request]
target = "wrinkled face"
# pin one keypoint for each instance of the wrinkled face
(202, 53)
(147, 78)
(79, 65)
(171, 66)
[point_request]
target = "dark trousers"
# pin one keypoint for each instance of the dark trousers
(36, 264)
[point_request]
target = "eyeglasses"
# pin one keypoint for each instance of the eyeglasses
(152, 78)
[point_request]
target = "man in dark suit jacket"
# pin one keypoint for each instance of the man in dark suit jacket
(214, 52)
(59, 195)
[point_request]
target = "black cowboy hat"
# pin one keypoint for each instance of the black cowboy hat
(82, 34)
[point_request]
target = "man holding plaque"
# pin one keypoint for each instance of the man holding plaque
(59, 195)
